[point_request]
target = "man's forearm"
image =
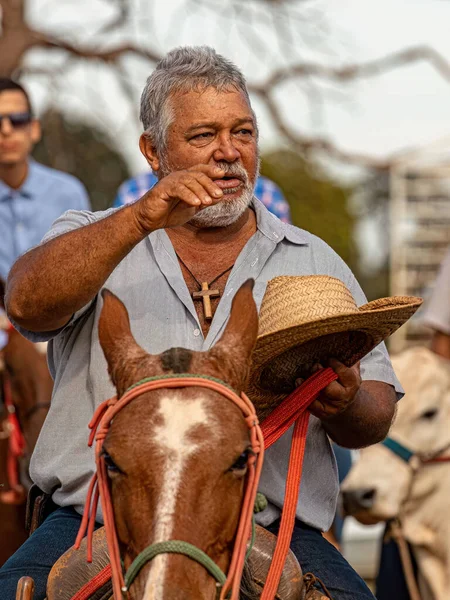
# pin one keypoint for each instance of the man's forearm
(367, 419)
(51, 282)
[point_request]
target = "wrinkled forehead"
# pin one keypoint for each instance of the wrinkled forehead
(209, 105)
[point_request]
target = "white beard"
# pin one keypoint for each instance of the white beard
(224, 213)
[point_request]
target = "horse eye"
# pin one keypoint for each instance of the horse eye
(110, 464)
(242, 461)
(429, 414)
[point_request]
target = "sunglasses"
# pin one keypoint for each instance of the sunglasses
(17, 120)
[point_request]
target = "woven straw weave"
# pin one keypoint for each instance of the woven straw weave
(307, 320)
(292, 300)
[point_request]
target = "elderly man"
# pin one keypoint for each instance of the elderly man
(199, 224)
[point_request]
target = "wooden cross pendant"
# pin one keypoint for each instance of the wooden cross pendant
(206, 294)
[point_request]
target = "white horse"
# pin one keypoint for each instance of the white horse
(408, 476)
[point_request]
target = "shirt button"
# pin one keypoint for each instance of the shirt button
(196, 332)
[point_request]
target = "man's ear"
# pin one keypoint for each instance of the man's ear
(36, 131)
(149, 152)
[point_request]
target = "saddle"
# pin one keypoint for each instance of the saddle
(71, 573)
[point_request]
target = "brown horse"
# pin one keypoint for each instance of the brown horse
(24, 369)
(177, 458)
(176, 462)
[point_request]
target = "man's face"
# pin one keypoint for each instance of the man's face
(215, 128)
(17, 142)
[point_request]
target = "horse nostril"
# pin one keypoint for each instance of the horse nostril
(368, 496)
(354, 501)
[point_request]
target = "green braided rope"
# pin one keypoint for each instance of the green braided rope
(173, 547)
(179, 376)
(252, 540)
(260, 503)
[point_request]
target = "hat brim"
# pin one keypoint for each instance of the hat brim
(283, 356)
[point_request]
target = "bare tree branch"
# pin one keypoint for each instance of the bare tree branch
(17, 38)
(305, 144)
(372, 68)
(106, 55)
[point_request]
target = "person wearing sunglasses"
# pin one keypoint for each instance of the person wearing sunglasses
(32, 195)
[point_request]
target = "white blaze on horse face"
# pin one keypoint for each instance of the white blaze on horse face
(180, 417)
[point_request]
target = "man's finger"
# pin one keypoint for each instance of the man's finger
(196, 188)
(210, 170)
(211, 188)
(348, 377)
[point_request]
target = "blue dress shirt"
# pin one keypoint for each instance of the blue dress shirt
(27, 214)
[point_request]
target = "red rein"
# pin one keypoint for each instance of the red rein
(292, 410)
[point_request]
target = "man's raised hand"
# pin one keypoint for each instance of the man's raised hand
(178, 197)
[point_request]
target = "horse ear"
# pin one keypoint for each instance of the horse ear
(235, 347)
(125, 358)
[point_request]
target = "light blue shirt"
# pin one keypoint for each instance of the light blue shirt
(27, 214)
(162, 314)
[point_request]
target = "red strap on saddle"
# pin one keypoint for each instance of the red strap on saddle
(93, 585)
(293, 409)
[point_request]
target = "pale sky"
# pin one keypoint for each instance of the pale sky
(405, 108)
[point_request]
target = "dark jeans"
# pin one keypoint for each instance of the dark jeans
(40, 552)
(58, 532)
(318, 556)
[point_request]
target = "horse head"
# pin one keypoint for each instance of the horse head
(177, 458)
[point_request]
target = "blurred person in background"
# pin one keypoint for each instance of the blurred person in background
(32, 196)
(265, 190)
(437, 311)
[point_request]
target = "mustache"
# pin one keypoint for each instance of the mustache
(233, 169)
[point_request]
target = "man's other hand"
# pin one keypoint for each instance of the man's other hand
(339, 394)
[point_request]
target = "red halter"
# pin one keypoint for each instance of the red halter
(99, 487)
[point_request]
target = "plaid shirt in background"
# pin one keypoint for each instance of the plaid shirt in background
(265, 190)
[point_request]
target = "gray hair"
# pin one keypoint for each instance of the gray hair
(184, 69)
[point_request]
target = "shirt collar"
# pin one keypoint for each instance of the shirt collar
(28, 188)
(271, 226)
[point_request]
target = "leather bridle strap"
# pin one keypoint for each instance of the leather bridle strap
(99, 487)
(408, 455)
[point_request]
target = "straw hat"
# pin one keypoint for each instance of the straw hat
(307, 320)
